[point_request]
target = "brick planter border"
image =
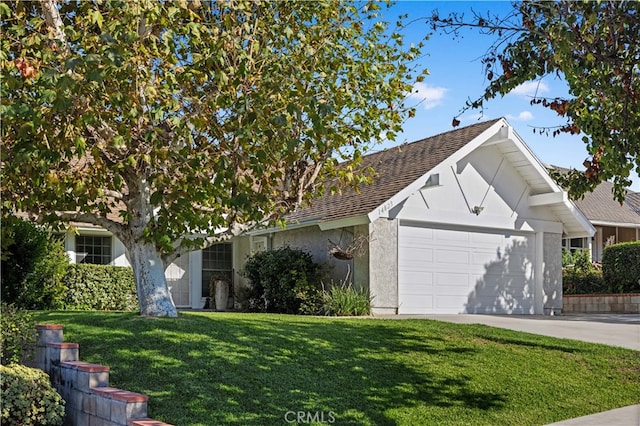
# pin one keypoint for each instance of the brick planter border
(625, 303)
(85, 386)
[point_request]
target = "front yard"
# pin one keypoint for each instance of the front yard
(249, 369)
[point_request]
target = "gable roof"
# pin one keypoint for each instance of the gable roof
(600, 207)
(402, 170)
(633, 200)
(395, 168)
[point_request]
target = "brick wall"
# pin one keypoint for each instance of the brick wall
(85, 387)
(601, 303)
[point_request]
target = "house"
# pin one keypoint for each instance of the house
(613, 222)
(188, 277)
(467, 221)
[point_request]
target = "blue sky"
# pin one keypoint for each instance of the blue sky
(456, 74)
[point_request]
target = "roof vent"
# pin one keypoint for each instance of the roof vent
(434, 180)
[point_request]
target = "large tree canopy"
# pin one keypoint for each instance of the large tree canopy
(594, 47)
(191, 121)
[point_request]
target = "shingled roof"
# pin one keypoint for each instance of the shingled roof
(599, 206)
(395, 169)
(633, 200)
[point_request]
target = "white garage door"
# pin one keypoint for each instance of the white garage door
(452, 271)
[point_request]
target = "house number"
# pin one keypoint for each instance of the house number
(385, 207)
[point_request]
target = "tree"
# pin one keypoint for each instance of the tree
(191, 121)
(594, 47)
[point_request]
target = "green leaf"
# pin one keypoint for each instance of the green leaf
(156, 198)
(96, 18)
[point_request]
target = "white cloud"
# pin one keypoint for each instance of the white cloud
(523, 116)
(530, 89)
(429, 96)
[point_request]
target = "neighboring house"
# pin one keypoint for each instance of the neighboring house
(614, 223)
(468, 221)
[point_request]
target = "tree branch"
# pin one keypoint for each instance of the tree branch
(54, 21)
(115, 228)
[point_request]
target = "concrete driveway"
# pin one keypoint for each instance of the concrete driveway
(615, 330)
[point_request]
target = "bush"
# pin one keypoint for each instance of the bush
(579, 275)
(280, 280)
(344, 300)
(100, 287)
(28, 397)
(579, 260)
(18, 336)
(621, 267)
(575, 281)
(33, 264)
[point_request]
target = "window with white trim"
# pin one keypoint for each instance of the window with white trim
(574, 244)
(217, 261)
(94, 249)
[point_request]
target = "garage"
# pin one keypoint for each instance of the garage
(459, 270)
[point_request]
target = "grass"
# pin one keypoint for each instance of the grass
(250, 369)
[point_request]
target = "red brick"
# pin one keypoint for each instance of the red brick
(120, 395)
(63, 345)
(147, 422)
(49, 326)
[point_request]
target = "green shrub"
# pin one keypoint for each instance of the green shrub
(621, 267)
(575, 281)
(100, 287)
(280, 280)
(33, 264)
(345, 300)
(579, 260)
(18, 337)
(28, 397)
(312, 302)
(567, 258)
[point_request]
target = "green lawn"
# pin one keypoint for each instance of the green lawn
(249, 369)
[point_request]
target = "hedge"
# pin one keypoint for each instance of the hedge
(583, 282)
(33, 263)
(621, 267)
(100, 287)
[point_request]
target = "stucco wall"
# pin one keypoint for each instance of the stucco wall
(383, 266)
(552, 273)
(361, 259)
(241, 251)
(318, 243)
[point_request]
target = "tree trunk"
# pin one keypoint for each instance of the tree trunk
(151, 283)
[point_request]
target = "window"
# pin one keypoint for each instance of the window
(93, 249)
(217, 260)
(573, 244)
